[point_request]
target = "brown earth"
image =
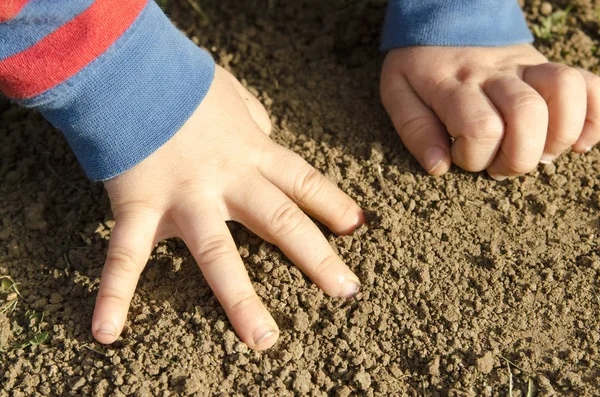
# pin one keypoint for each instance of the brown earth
(467, 282)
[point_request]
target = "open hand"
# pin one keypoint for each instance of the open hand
(222, 166)
(507, 108)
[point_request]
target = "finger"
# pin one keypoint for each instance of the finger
(268, 212)
(563, 89)
(211, 244)
(312, 191)
(473, 120)
(256, 109)
(131, 243)
(525, 116)
(590, 135)
(420, 129)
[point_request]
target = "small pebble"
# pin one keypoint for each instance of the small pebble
(546, 8)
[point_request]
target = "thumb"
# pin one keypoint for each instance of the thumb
(255, 108)
(420, 129)
(130, 245)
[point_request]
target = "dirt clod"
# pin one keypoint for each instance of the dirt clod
(302, 382)
(485, 363)
(434, 367)
(362, 380)
(301, 321)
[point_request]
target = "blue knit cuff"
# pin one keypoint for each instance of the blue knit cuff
(132, 99)
(454, 23)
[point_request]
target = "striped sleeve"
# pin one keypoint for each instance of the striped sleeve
(116, 77)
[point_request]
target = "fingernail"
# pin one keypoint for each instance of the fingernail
(106, 329)
(349, 289)
(433, 158)
(547, 158)
(499, 178)
(263, 333)
(588, 149)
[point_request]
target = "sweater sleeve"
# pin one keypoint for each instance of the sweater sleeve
(116, 77)
(454, 23)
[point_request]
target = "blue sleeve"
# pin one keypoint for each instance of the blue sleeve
(116, 77)
(454, 23)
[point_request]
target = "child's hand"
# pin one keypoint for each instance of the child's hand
(222, 166)
(507, 108)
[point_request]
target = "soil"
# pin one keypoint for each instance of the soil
(469, 284)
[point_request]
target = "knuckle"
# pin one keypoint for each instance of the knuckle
(529, 102)
(243, 302)
(124, 261)
(112, 294)
(213, 250)
(441, 91)
(308, 184)
(286, 219)
(565, 76)
(437, 86)
(485, 127)
(412, 129)
(565, 139)
(521, 166)
(324, 267)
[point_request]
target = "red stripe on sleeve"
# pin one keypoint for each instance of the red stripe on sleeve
(68, 49)
(10, 8)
